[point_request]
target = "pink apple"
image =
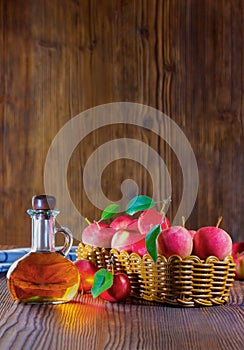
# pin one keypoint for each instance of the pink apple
(124, 239)
(133, 226)
(238, 256)
(212, 241)
(98, 235)
(150, 218)
(192, 232)
(175, 240)
(121, 222)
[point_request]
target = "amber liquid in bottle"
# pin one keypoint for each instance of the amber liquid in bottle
(44, 275)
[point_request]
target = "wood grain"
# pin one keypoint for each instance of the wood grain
(59, 58)
(97, 324)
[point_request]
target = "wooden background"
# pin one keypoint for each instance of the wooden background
(61, 57)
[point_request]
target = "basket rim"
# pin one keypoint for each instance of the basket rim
(146, 257)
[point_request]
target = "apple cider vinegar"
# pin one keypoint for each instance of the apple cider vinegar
(44, 275)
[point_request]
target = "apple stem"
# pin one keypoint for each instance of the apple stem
(166, 203)
(88, 221)
(219, 221)
(162, 209)
(183, 221)
(97, 223)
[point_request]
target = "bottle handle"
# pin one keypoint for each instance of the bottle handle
(68, 239)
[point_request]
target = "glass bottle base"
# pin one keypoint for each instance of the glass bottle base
(43, 278)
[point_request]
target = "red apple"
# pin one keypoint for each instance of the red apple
(98, 235)
(124, 239)
(139, 247)
(120, 289)
(121, 222)
(175, 240)
(212, 241)
(238, 256)
(87, 271)
(150, 218)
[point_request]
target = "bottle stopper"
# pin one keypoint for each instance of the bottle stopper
(43, 202)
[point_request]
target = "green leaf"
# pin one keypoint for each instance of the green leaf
(103, 280)
(151, 241)
(109, 211)
(139, 203)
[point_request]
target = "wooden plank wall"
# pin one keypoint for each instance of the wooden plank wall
(61, 57)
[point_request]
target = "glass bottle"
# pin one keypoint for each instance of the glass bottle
(44, 275)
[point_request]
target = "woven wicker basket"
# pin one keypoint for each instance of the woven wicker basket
(189, 282)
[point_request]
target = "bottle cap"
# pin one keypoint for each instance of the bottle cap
(43, 202)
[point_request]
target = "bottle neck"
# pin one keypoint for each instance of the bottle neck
(43, 230)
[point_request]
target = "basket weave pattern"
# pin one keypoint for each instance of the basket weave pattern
(189, 282)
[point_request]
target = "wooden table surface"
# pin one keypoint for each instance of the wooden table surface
(86, 323)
